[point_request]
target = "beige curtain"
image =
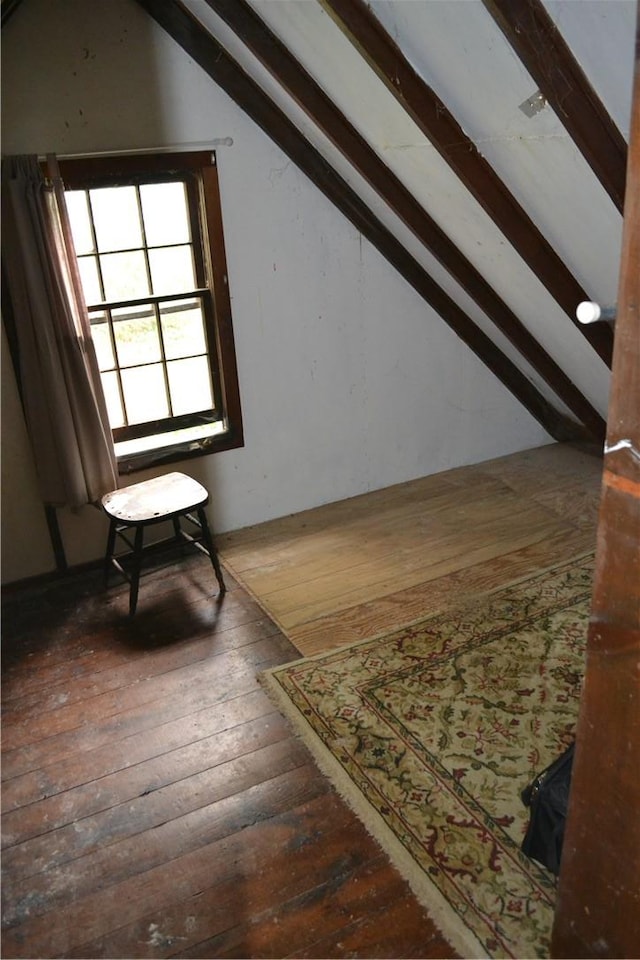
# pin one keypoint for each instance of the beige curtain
(58, 372)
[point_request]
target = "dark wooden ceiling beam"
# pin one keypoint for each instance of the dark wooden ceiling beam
(437, 123)
(292, 76)
(548, 58)
(189, 33)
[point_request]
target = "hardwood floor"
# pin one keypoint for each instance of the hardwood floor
(155, 803)
(350, 570)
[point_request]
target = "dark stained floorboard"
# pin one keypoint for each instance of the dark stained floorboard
(155, 803)
(93, 765)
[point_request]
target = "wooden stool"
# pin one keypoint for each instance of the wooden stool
(153, 501)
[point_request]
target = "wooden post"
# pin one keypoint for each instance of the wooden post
(598, 907)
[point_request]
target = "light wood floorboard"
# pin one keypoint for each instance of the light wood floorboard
(349, 570)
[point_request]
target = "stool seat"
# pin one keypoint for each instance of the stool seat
(154, 500)
(169, 497)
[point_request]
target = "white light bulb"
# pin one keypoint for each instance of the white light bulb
(588, 312)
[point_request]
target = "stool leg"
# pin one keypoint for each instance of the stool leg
(177, 531)
(111, 540)
(136, 563)
(213, 553)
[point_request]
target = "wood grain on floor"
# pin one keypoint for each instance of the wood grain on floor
(155, 804)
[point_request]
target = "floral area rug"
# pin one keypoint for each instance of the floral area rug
(432, 731)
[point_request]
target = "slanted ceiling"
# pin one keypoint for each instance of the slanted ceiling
(478, 144)
(418, 120)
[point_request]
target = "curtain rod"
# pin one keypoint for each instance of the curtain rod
(166, 148)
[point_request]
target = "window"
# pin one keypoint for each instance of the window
(150, 249)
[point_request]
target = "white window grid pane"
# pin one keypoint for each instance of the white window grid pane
(145, 393)
(189, 385)
(185, 382)
(130, 402)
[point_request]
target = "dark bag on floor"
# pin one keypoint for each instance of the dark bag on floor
(548, 798)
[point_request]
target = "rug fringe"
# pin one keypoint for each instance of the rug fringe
(440, 912)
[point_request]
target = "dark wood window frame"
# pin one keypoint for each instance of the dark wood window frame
(199, 171)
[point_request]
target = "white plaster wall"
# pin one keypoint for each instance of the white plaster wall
(535, 156)
(315, 40)
(464, 57)
(349, 382)
(601, 35)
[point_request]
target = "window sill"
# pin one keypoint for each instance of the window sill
(131, 459)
